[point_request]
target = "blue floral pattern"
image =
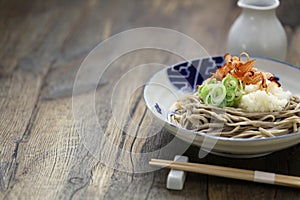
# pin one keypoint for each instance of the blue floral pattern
(187, 75)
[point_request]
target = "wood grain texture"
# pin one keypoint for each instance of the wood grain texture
(44, 152)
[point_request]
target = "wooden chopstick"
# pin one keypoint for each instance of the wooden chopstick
(228, 172)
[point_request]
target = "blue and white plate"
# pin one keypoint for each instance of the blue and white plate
(174, 82)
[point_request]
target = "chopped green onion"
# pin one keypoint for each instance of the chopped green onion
(213, 94)
(217, 93)
(221, 93)
(231, 83)
(230, 97)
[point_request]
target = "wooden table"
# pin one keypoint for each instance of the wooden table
(42, 149)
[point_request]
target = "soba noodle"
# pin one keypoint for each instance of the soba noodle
(190, 113)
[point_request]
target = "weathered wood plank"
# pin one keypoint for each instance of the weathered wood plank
(60, 28)
(42, 155)
(44, 160)
(21, 82)
(15, 118)
(20, 86)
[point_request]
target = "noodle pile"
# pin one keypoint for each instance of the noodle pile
(190, 113)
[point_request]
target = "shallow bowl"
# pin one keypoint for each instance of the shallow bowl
(178, 80)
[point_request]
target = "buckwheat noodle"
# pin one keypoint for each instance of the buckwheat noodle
(190, 113)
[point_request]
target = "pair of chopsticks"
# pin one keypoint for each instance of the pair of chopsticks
(228, 172)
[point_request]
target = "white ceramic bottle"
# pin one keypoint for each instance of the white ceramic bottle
(257, 30)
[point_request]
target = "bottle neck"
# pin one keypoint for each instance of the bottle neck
(259, 4)
(259, 13)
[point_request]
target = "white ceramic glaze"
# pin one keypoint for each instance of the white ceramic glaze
(176, 178)
(161, 91)
(257, 30)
